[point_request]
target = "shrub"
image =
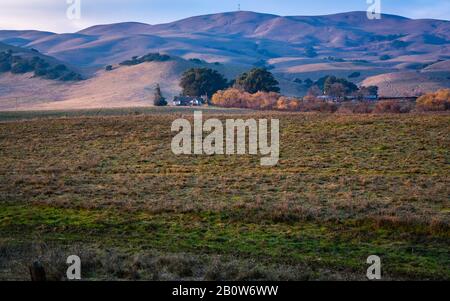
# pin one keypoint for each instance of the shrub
(17, 64)
(109, 68)
(311, 104)
(40, 72)
(53, 74)
(22, 66)
(235, 98)
(392, 106)
(71, 76)
(151, 57)
(439, 101)
(356, 108)
(354, 75)
(385, 57)
(154, 57)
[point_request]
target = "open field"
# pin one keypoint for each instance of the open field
(104, 112)
(109, 188)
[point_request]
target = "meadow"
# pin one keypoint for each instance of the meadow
(105, 185)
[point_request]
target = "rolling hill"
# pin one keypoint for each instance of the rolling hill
(405, 50)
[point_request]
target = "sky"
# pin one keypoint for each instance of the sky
(52, 15)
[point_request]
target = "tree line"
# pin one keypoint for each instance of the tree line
(16, 64)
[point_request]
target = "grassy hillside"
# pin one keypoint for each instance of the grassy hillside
(346, 187)
(123, 87)
(410, 83)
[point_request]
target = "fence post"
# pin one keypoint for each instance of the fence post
(37, 272)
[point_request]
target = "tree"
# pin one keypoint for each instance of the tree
(314, 91)
(257, 80)
(150, 57)
(354, 74)
(21, 67)
(368, 91)
(158, 99)
(330, 89)
(202, 82)
(71, 76)
(336, 90)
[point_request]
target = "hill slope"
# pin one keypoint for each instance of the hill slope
(247, 37)
(124, 86)
(403, 56)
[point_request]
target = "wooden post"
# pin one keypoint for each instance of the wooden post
(37, 272)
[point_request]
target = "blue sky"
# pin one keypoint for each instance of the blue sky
(51, 14)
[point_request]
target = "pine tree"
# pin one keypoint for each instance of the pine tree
(158, 99)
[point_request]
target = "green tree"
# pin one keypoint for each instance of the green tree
(21, 66)
(368, 91)
(330, 88)
(257, 79)
(202, 82)
(158, 99)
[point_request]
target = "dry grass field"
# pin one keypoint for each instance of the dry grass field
(108, 188)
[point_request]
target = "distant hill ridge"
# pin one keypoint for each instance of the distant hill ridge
(402, 56)
(240, 37)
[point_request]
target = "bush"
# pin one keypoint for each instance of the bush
(154, 57)
(235, 98)
(109, 68)
(40, 72)
(392, 106)
(439, 101)
(363, 107)
(18, 65)
(22, 66)
(385, 57)
(311, 104)
(151, 57)
(71, 76)
(53, 74)
(355, 75)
